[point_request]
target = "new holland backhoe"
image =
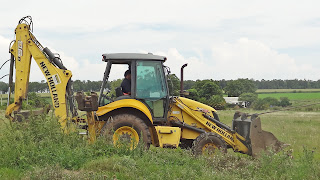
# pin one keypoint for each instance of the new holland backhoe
(149, 114)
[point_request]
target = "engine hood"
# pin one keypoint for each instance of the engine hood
(194, 104)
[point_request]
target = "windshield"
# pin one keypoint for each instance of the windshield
(151, 82)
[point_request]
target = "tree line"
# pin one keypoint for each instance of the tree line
(269, 84)
(87, 85)
(206, 91)
(287, 84)
(211, 92)
(42, 87)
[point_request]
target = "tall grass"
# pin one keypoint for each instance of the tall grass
(38, 150)
(39, 142)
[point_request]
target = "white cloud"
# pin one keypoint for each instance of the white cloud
(253, 59)
(83, 69)
(196, 68)
(242, 59)
(185, 31)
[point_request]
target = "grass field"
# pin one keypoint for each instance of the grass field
(37, 150)
(286, 90)
(292, 96)
(299, 129)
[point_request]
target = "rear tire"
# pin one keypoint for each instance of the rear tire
(127, 127)
(209, 143)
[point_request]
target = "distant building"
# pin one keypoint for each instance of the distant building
(235, 101)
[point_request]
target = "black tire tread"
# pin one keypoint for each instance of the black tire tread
(130, 120)
(197, 143)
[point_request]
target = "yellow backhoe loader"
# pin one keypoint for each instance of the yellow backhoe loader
(148, 114)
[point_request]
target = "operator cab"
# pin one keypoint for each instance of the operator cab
(148, 81)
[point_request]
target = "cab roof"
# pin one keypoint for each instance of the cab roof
(132, 56)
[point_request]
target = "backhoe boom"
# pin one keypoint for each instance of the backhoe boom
(58, 77)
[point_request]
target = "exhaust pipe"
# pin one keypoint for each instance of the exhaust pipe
(181, 79)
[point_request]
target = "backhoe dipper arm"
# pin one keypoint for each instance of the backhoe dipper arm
(58, 77)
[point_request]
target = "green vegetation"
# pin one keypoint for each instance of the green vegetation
(173, 85)
(38, 150)
(293, 96)
(248, 97)
(268, 102)
(287, 84)
(299, 129)
(237, 87)
(261, 91)
(207, 92)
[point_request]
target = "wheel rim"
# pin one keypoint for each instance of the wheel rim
(209, 148)
(126, 136)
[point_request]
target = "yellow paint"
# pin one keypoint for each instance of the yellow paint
(23, 49)
(99, 125)
(209, 147)
(124, 134)
(238, 144)
(132, 103)
(189, 134)
(91, 126)
(191, 112)
(168, 136)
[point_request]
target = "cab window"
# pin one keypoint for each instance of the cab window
(150, 80)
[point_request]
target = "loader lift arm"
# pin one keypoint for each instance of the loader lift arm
(58, 77)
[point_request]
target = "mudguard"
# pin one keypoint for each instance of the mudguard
(125, 103)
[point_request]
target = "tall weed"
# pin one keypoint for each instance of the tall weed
(37, 149)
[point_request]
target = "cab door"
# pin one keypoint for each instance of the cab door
(151, 87)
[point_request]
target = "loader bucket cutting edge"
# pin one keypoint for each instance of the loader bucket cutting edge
(261, 140)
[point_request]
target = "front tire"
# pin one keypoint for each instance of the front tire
(209, 143)
(127, 129)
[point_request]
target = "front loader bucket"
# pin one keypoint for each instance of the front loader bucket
(262, 140)
(257, 140)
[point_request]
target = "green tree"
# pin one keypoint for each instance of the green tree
(173, 84)
(259, 104)
(199, 83)
(3, 87)
(217, 102)
(114, 84)
(188, 84)
(271, 101)
(34, 100)
(284, 102)
(248, 97)
(78, 85)
(223, 83)
(193, 94)
(237, 87)
(209, 89)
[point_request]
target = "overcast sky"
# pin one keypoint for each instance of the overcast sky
(269, 39)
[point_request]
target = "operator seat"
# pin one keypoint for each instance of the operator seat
(119, 94)
(119, 91)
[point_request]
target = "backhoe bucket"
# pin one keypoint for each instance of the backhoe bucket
(257, 140)
(262, 140)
